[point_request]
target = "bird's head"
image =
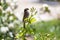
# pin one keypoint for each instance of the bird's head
(26, 9)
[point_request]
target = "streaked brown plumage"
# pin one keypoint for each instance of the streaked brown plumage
(26, 14)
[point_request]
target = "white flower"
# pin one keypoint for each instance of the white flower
(11, 18)
(1, 1)
(3, 11)
(9, 10)
(1, 8)
(12, 5)
(4, 29)
(2, 39)
(45, 5)
(11, 25)
(11, 34)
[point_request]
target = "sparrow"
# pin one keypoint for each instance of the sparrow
(26, 14)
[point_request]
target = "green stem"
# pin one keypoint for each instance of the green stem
(24, 32)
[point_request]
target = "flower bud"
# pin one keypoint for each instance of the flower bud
(11, 18)
(1, 8)
(11, 25)
(4, 29)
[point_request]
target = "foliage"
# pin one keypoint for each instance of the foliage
(12, 29)
(8, 22)
(47, 30)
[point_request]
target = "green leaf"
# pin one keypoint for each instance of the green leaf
(0, 12)
(32, 9)
(32, 20)
(5, 6)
